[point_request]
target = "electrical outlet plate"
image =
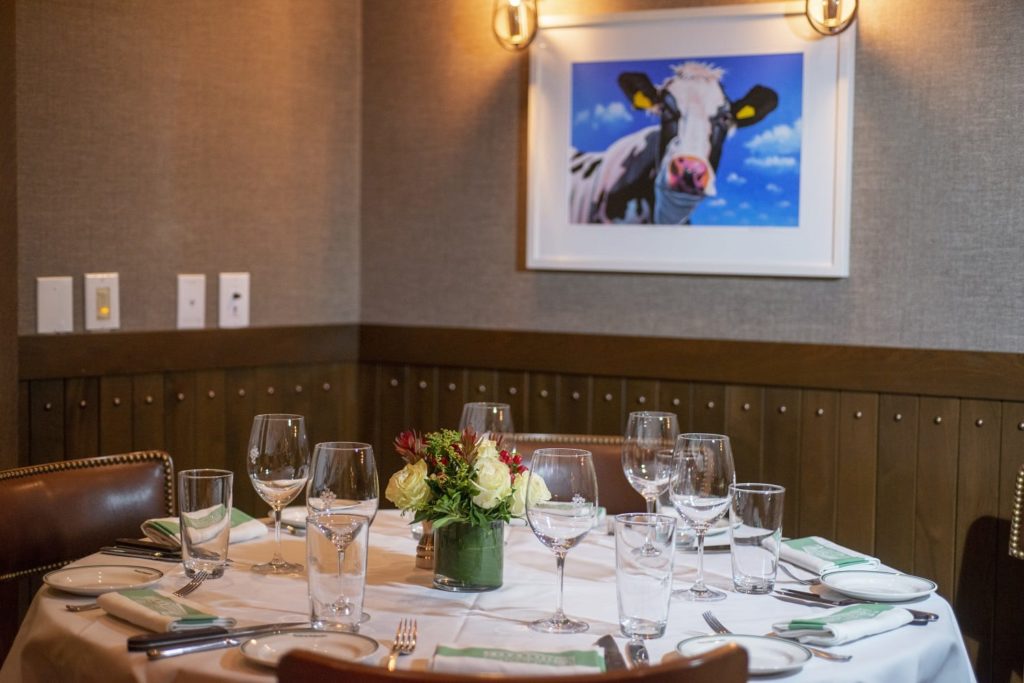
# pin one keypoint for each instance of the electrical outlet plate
(54, 305)
(102, 301)
(234, 299)
(191, 302)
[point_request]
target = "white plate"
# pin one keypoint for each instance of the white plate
(293, 516)
(98, 579)
(268, 650)
(766, 655)
(878, 586)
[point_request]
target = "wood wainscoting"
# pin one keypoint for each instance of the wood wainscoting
(907, 454)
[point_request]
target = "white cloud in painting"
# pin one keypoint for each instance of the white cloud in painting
(773, 188)
(744, 205)
(735, 178)
(762, 217)
(716, 202)
(776, 163)
(778, 140)
(610, 114)
(784, 204)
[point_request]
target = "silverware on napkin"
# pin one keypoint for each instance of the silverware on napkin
(158, 642)
(920, 618)
(613, 659)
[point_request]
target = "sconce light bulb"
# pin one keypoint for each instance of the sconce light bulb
(830, 17)
(514, 23)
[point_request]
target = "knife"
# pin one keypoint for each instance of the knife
(212, 634)
(158, 555)
(814, 597)
(920, 618)
(613, 659)
(174, 651)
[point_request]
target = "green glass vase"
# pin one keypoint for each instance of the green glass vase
(469, 559)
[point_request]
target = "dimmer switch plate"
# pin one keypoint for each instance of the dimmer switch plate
(234, 299)
(102, 301)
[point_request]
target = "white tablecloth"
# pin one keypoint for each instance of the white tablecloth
(56, 645)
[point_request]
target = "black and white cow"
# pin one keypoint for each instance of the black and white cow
(659, 174)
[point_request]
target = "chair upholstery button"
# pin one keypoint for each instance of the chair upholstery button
(423, 384)
(608, 397)
(979, 422)
(393, 382)
(512, 391)
(298, 388)
(819, 412)
(181, 396)
(710, 405)
(746, 407)
(149, 400)
(211, 394)
(482, 388)
(48, 406)
(117, 400)
(82, 403)
(782, 409)
(1020, 426)
(641, 400)
(270, 391)
(575, 395)
(241, 392)
(544, 393)
(938, 419)
(898, 417)
(451, 386)
(676, 401)
(326, 386)
(858, 415)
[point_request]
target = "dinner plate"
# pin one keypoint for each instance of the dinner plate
(97, 579)
(878, 586)
(766, 656)
(268, 650)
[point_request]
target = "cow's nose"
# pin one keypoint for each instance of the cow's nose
(688, 174)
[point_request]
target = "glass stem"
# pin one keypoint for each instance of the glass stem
(650, 505)
(278, 559)
(559, 573)
(698, 585)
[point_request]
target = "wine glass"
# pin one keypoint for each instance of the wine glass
(490, 421)
(562, 520)
(342, 483)
(278, 462)
(647, 453)
(699, 489)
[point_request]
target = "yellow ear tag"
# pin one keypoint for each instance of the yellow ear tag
(746, 112)
(641, 101)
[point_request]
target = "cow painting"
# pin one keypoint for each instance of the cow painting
(659, 174)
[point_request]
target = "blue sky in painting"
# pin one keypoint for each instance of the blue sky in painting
(759, 174)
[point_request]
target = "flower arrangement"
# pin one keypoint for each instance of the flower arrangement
(451, 477)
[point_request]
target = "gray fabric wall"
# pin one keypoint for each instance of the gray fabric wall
(365, 161)
(937, 235)
(191, 136)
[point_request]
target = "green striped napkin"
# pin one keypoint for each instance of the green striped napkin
(841, 625)
(166, 530)
(496, 660)
(820, 555)
(159, 611)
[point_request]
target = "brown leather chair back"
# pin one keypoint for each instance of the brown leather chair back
(726, 664)
(61, 511)
(613, 490)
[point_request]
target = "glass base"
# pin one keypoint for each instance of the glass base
(706, 595)
(278, 568)
(559, 625)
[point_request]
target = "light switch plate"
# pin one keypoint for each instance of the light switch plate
(102, 301)
(191, 302)
(54, 305)
(234, 299)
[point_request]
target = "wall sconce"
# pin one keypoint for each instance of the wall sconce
(830, 17)
(514, 23)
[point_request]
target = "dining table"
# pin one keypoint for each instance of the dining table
(54, 644)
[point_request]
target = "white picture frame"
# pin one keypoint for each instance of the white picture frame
(817, 245)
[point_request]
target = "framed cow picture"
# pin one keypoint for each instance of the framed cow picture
(712, 140)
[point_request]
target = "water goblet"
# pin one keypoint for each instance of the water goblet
(647, 453)
(277, 464)
(562, 519)
(490, 421)
(699, 489)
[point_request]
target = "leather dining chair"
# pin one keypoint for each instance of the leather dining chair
(726, 664)
(614, 491)
(61, 511)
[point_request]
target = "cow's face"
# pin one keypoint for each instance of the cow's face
(696, 118)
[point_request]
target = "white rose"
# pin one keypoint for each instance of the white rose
(492, 481)
(538, 490)
(487, 449)
(408, 487)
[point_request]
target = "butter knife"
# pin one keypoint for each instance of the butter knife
(159, 641)
(613, 659)
(814, 597)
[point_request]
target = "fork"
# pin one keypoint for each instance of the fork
(806, 582)
(719, 627)
(188, 588)
(405, 641)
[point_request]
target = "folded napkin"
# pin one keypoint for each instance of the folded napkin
(166, 530)
(159, 611)
(820, 555)
(841, 625)
(496, 660)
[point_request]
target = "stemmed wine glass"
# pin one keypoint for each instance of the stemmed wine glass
(490, 420)
(342, 497)
(561, 521)
(699, 489)
(647, 453)
(277, 465)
